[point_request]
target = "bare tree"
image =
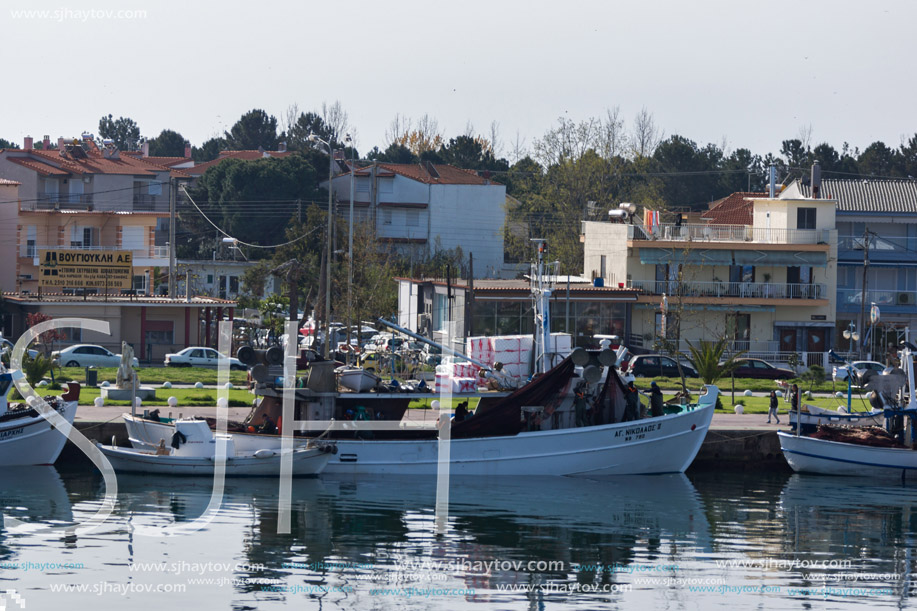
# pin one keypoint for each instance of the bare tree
(612, 135)
(336, 120)
(469, 129)
(646, 135)
(569, 140)
(398, 130)
(496, 147)
(289, 117)
(518, 150)
(805, 136)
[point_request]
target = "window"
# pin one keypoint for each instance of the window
(386, 216)
(158, 337)
(362, 185)
(805, 218)
(132, 238)
(234, 284)
(31, 250)
(412, 218)
(209, 278)
(387, 185)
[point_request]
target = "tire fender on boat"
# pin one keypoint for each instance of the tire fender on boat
(264, 453)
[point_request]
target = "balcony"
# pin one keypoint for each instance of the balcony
(852, 299)
(151, 252)
(737, 290)
(82, 201)
(727, 233)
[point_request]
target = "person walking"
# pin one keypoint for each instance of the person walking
(773, 408)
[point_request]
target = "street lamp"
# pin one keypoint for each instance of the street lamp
(327, 352)
(851, 335)
(235, 246)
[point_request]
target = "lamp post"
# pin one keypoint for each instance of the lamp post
(851, 335)
(349, 141)
(327, 351)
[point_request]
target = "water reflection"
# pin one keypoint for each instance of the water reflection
(370, 542)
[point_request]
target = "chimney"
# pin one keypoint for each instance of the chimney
(816, 180)
(282, 147)
(60, 144)
(145, 149)
(46, 142)
(187, 150)
(27, 144)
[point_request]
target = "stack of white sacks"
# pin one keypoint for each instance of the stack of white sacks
(514, 351)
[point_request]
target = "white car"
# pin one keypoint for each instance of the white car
(199, 356)
(861, 367)
(88, 355)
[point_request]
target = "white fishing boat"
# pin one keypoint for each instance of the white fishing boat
(192, 450)
(356, 379)
(811, 455)
(861, 456)
(26, 437)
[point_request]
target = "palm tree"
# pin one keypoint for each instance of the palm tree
(707, 359)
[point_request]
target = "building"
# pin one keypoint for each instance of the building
(882, 214)
(505, 307)
(215, 278)
(420, 209)
(768, 285)
(81, 197)
(153, 326)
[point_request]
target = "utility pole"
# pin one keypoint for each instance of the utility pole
(172, 196)
(862, 323)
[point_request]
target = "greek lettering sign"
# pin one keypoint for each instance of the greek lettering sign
(98, 269)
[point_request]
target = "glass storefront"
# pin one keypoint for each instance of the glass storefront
(586, 318)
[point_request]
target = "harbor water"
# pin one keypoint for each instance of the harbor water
(698, 541)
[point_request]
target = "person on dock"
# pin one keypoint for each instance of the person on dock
(656, 403)
(461, 412)
(795, 399)
(267, 426)
(773, 408)
(631, 402)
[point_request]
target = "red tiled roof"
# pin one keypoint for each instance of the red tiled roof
(448, 174)
(51, 162)
(37, 166)
(736, 209)
(248, 155)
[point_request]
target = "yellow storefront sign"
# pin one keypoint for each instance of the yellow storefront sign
(99, 269)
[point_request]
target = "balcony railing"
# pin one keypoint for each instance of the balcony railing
(64, 201)
(150, 252)
(740, 290)
(878, 244)
(854, 297)
(728, 233)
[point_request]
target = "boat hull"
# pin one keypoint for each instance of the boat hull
(809, 455)
(666, 444)
(33, 441)
(306, 463)
(813, 416)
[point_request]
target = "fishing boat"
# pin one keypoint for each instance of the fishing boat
(890, 452)
(27, 437)
(567, 420)
(193, 451)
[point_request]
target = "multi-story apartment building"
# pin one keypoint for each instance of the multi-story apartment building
(422, 208)
(766, 282)
(81, 197)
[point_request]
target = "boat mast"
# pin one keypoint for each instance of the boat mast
(540, 297)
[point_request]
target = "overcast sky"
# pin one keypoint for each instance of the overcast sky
(749, 74)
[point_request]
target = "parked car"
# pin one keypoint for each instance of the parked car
(860, 369)
(88, 355)
(7, 344)
(762, 370)
(199, 356)
(657, 365)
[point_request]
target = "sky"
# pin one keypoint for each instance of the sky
(743, 74)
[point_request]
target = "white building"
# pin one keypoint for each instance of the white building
(424, 208)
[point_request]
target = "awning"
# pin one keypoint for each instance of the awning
(697, 307)
(692, 256)
(780, 258)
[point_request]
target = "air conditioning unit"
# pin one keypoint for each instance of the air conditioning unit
(904, 298)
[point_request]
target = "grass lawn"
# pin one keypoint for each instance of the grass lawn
(742, 384)
(759, 405)
(154, 375)
(187, 397)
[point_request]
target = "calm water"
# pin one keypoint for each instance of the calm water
(672, 542)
